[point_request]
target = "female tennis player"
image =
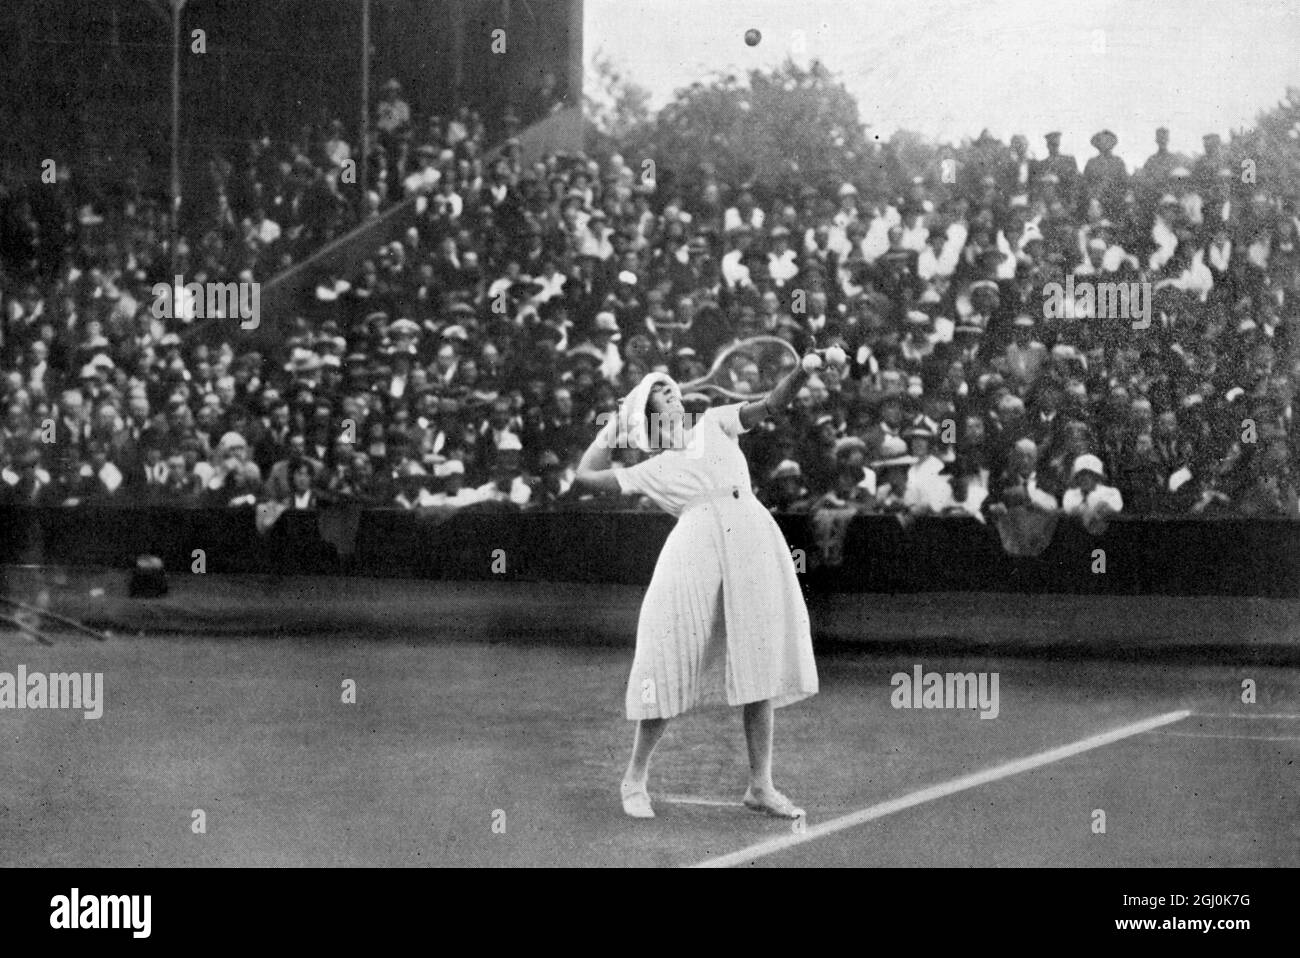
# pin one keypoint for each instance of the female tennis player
(723, 619)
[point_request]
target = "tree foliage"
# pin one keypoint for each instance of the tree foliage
(783, 129)
(616, 108)
(793, 127)
(1273, 145)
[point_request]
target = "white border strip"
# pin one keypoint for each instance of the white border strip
(1239, 738)
(774, 845)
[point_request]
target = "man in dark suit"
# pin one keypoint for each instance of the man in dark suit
(1105, 178)
(1156, 170)
(1205, 171)
(1015, 172)
(1063, 166)
(148, 482)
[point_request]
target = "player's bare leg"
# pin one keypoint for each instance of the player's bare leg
(636, 800)
(762, 796)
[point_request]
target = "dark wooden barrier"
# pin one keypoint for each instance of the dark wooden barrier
(1174, 557)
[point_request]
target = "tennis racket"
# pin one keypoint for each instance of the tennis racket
(749, 369)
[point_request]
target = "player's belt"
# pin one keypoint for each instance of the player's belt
(727, 492)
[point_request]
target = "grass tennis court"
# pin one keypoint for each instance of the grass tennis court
(444, 737)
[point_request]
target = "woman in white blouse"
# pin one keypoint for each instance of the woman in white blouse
(724, 618)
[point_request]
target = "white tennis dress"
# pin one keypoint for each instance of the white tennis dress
(724, 619)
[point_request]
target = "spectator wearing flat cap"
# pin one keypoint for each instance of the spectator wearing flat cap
(1060, 165)
(784, 491)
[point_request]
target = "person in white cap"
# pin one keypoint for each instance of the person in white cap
(1088, 497)
(507, 483)
(454, 495)
(724, 618)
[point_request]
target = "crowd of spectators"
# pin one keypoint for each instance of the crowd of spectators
(466, 365)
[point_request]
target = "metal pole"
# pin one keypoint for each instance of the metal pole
(364, 165)
(176, 127)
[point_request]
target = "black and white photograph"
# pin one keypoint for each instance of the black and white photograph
(650, 434)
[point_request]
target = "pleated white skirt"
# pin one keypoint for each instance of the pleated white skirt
(724, 620)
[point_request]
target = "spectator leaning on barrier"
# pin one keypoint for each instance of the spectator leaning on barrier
(508, 484)
(1018, 484)
(1088, 497)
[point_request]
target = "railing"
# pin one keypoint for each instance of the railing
(1256, 557)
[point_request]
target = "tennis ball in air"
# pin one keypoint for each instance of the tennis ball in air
(835, 356)
(752, 37)
(811, 363)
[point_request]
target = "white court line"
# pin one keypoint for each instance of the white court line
(1244, 738)
(774, 845)
(1277, 715)
(692, 800)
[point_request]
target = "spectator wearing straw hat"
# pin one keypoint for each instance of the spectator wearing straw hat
(891, 468)
(851, 456)
(920, 438)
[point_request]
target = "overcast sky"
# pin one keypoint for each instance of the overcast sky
(949, 68)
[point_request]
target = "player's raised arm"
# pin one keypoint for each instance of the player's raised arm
(594, 473)
(753, 413)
